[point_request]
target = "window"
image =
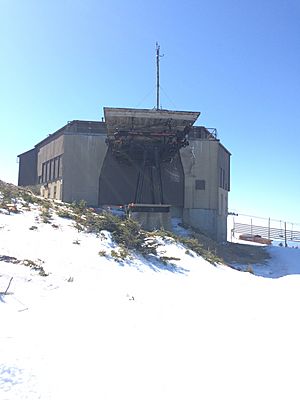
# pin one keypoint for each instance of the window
(60, 167)
(44, 172)
(47, 171)
(222, 178)
(200, 184)
(51, 170)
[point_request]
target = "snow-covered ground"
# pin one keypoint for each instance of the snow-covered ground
(97, 329)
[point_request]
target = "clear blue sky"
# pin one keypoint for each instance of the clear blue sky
(238, 62)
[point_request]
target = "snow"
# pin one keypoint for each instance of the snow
(95, 328)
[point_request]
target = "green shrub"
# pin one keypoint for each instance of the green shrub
(79, 207)
(65, 214)
(119, 255)
(46, 215)
(126, 232)
(28, 198)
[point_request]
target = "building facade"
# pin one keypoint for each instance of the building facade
(75, 163)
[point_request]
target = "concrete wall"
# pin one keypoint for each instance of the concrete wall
(199, 162)
(27, 168)
(221, 233)
(153, 220)
(52, 190)
(69, 161)
(203, 219)
(84, 154)
(205, 203)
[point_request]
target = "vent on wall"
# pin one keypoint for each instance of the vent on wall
(200, 184)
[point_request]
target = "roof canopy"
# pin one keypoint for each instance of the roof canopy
(147, 120)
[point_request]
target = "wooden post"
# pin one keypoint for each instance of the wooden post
(8, 286)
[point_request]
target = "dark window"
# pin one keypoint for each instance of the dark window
(43, 172)
(222, 178)
(50, 170)
(55, 172)
(46, 171)
(60, 166)
(54, 169)
(200, 184)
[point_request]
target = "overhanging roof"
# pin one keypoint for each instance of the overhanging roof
(147, 120)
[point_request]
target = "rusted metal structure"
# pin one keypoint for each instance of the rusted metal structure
(144, 140)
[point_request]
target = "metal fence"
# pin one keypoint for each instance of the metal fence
(267, 232)
(266, 228)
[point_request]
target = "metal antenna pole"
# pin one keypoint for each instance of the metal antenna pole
(157, 75)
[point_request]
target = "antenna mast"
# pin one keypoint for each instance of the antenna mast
(157, 74)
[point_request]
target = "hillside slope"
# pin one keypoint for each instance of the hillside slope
(77, 322)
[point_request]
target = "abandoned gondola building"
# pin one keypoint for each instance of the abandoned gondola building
(136, 156)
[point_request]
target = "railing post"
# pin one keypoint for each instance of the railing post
(285, 241)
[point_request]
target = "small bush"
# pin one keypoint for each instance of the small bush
(120, 255)
(28, 198)
(166, 258)
(102, 253)
(46, 214)
(79, 226)
(79, 207)
(127, 232)
(36, 266)
(65, 214)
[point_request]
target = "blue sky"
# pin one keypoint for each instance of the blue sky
(237, 62)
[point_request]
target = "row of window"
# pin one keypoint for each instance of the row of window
(51, 170)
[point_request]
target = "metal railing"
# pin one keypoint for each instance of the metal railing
(267, 232)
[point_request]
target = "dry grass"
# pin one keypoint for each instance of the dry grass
(235, 253)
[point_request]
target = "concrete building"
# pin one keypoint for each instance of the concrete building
(75, 163)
